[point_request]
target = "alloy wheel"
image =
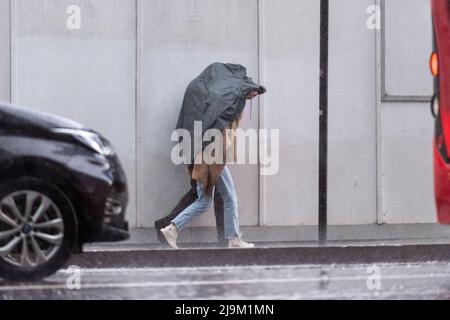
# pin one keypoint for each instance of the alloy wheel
(31, 229)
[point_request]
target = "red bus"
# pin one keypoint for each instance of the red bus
(440, 106)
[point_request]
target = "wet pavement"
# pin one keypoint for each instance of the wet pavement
(357, 281)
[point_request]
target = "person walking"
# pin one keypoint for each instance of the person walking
(217, 98)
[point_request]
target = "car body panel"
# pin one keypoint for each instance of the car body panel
(441, 27)
(20, 116)
(29, 148)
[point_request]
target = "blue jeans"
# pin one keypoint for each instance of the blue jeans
(226, 188)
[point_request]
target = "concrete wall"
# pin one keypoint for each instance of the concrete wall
(5, 51)
(407, 171)
(407, 126)
(408, 40)
(352, 115)
(86, 74)
(125, 71)
(290, 64)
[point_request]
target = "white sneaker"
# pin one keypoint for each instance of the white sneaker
(237, 243)
(171, 234)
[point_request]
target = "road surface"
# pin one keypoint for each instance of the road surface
(384, 281)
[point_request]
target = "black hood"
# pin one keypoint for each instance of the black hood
(11, 115)
(216, 98)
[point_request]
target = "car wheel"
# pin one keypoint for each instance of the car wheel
(38, 229)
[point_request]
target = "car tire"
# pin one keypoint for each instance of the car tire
(47, 231)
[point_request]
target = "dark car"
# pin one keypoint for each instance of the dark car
(61, 185)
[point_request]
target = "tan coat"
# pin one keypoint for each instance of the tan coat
(208, 174)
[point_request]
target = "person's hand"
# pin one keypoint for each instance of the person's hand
(252, 94)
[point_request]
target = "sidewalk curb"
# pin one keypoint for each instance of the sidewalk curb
(263, 256)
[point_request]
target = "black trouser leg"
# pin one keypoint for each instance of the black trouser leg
(188, 199)
(219, 213)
